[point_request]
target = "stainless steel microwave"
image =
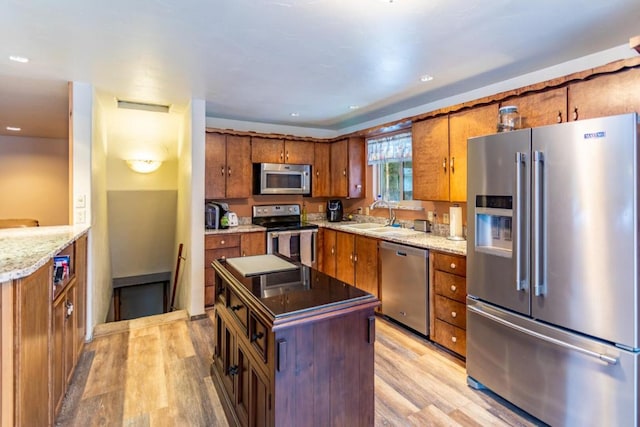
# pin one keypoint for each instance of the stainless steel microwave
(275, 178)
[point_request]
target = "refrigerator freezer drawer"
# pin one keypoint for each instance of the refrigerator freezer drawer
(561, 378)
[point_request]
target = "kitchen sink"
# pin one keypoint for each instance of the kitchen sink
(364, 226)
(394, 231)
(381, 230)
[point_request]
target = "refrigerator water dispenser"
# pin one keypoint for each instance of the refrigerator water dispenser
(493, 216)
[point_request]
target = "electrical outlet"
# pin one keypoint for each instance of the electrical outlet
(366, 210)
(81, 216)
(445, 218)
(320, 209)
(430, 216)
(360, 210)
(80, 201)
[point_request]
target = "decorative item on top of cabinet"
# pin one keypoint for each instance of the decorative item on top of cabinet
(228, 167)
(463, 125)
(268, 150)
(449, 290)
(321, 182)
(228, 245)
(542, 108)
(605, 95)
(348, 168)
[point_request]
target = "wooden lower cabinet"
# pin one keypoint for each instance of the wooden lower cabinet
(42, 326)
(31, 364)
(449, 311)
(351, 258)
(228, 245)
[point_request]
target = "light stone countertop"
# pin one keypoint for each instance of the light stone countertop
(24, 250)
(244, 228)
(420, 239)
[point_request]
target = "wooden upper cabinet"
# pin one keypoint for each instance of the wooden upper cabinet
(228, 170)
(267, 150)
(321, 180)
(541, 109)
(606, 95)
(463, 125)
(347, 168)
(430, 142)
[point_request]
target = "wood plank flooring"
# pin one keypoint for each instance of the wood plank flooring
(155, 372)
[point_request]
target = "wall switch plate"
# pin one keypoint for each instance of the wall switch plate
(366, 210)
(430, 216)
(80, 201)
(81, 216)
(445, 218)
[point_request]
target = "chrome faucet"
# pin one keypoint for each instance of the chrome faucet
(385, 204)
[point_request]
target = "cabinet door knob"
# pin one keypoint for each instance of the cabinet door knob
(344, 172)
(236, 307)
(222, 171)
(453, 266)
(229, 171)
(454, 339)
(559, 118)
(453, 288)
(287, 156)
(454, 314)
(317, 173)
(451, 164)
(256, 336)
(575, 113)
(444, 165)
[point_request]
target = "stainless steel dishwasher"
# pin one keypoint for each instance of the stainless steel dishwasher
(404, 285)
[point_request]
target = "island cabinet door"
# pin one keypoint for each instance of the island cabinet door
(252, 397)
(223, 356)
(324, 372)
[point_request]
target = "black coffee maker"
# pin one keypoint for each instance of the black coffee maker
(334, 210)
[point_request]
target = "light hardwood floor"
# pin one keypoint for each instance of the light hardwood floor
(155, 372)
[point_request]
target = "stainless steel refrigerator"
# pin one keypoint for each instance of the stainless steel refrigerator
(552, 270)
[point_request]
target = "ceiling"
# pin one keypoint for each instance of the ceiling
(262, 60)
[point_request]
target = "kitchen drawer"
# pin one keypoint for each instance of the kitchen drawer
(450, 286)
(450, 263)
(239, 310)
(223, 253)
(452, 312)
(222, 241)
(258, 336)
(451, 337)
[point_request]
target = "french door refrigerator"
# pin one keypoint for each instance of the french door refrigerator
(552, 270)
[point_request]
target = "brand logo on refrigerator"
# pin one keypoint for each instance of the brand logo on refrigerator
(600, 134)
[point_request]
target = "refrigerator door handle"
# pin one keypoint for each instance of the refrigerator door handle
(520, 283)
(603, 357)
(537, 250)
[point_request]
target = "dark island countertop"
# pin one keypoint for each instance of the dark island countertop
(296, 293)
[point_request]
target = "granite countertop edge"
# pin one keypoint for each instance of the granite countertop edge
(24, 250)
(419, 240)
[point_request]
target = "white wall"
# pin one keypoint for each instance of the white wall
(190, 214)
(34, 179)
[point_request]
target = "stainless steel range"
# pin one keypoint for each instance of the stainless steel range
(286, 233)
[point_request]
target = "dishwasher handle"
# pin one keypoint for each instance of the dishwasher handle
(403, 250)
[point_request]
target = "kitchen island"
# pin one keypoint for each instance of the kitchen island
(292, 347)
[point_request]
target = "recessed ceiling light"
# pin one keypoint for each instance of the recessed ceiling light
(426, 78)
(354, 107)
(20, 59)
(13, 128)
(295, 114)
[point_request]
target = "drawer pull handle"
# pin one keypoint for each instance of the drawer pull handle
(453, 266)
(454, 339)
(236, 307)
(454, 314)
(256, 336)
(453, 288)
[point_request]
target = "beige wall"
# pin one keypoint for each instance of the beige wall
(34, 179)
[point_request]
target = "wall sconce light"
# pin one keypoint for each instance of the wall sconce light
(143, 166)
